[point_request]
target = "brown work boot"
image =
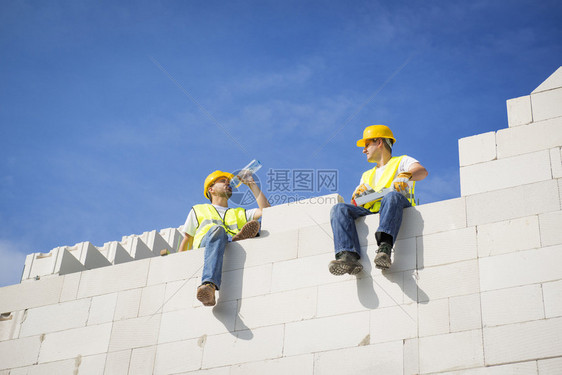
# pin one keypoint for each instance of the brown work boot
(249, 230)
(382, 259)
(206, 294)
(346, 262)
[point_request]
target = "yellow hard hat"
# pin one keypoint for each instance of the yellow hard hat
(212, 178)
(376, 131)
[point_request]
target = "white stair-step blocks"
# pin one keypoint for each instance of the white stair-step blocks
(554, 81)
(535, 137)
(546, 104)
(506, 204)
(477, 149)
(519, 111)
(505, 173)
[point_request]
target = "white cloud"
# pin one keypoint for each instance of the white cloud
(11, 266)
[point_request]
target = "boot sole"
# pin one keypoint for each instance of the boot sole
(249, 230)
(339, 268)
(382, 261)
(206, 296)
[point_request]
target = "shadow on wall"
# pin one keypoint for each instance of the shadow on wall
(233, 292)
(405, 279)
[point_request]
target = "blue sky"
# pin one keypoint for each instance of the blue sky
(112, 113)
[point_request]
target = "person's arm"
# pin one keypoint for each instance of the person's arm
(258, 194)
(186, 243)
(418, 172)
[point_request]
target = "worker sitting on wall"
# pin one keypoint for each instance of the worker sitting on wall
(398, 174)
(214, 225)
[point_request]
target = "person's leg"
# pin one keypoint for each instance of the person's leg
(346, 241)
(392, 207)
(215, 243)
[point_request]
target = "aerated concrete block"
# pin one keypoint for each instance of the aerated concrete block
(384, 358)
(508, 236)
(434, 317)
(366, 227)
(57, 317)
(519, 111)
(522, 140)
(113, 279)
(551, 228)
(180, 295)
(314, 240)
(462, 278)
(269, 248)
(549, 366)
(173, 237)
(276, 308)
(19, 352)
(546, 104)
(88, 255)
(525, 368)
(331, 333)
(554, 81)
(302, 213)
(177, 357)
(102, 309)
(244, 283)
(117, 362)
(302, 273)
(464, 313)
(501, 205)
(152, 299)
(433, 218)
(521, 268)
(71, 343)
(394, 323)
(451, 351)
(70, 287)
(135, 333)
(552, 302)
(142, 360)
(30, 294)
(196, 322)
(477, 149)
(510, 343)
(116, 253)
(10, 324)
(128, 302)
(505, 173)
(446, 247)
(411, 355)
(156, 242)
(174, 267)
(244, 346)
(301, 364)
(136, 247)
(512, 305)
(556, 162)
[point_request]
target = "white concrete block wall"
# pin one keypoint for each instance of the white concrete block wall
(474, 289)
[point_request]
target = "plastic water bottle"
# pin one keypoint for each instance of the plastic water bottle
(247, 171)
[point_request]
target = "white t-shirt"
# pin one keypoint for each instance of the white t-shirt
(190, 226)
(404, 166)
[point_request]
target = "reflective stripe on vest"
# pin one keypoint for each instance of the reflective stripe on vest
(208, 216)
(384, 182)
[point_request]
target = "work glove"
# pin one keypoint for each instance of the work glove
(400, 183)
(360, 189)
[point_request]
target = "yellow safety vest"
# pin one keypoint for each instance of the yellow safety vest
(384, 182)
(208, 216)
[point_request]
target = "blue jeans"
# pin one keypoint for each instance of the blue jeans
(343, 216)
(214, 241)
